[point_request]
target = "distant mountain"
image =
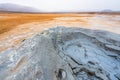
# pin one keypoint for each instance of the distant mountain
(8, 7)
(107, 10)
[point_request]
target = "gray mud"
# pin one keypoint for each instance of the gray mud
(64, 54)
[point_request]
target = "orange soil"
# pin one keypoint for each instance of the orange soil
(24, 25)
(12, 20)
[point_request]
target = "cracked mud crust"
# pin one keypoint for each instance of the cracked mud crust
(64, 54)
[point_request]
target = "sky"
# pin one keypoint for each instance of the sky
(68, 5)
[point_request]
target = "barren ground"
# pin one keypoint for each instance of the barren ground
(14, 28)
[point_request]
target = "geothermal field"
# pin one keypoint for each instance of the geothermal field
(76, 46)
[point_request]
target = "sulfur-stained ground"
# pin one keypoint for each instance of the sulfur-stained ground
(16, 27)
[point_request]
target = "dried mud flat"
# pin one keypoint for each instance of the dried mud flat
(87, 48)
(64, 54)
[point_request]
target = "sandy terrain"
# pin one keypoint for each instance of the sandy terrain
(14, 28)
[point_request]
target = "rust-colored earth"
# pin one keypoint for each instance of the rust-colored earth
(15, 27)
